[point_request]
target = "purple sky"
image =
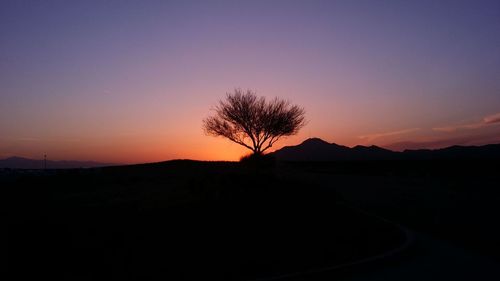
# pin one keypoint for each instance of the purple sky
(130, 81)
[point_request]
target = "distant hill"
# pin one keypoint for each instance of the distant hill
(26, 163)
(316, 149)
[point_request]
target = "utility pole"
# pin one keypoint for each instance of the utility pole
(45, 162)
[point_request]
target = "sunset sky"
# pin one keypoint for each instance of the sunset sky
(131, 81)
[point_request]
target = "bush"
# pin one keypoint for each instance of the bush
(259, 160)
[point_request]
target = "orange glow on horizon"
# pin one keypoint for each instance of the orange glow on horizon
(193, 144)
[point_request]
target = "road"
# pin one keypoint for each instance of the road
(428, 259)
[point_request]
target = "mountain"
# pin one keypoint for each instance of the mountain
(316, 149)
(25, 163)
(484, 152)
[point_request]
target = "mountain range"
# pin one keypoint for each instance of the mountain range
(315, 149)
(26, 163)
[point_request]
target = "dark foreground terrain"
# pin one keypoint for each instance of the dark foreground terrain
(180, 220)
(187, 220)
(453, 200)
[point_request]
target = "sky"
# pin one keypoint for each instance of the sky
(131, 81)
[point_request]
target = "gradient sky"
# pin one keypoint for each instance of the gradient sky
(131, 81)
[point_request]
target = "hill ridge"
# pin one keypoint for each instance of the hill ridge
(17, 162)
(316, 149)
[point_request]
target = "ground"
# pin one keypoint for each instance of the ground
(230, 221)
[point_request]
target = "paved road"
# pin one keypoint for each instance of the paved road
(428, 259)
(431, 259)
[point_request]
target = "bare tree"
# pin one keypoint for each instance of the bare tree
(254, 122)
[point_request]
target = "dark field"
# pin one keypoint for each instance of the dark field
(456, 201)
(187, 220)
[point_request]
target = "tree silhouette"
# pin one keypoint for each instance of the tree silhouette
(254, 122)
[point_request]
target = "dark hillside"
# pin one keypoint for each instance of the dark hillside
(314, 150)
(180, 220)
